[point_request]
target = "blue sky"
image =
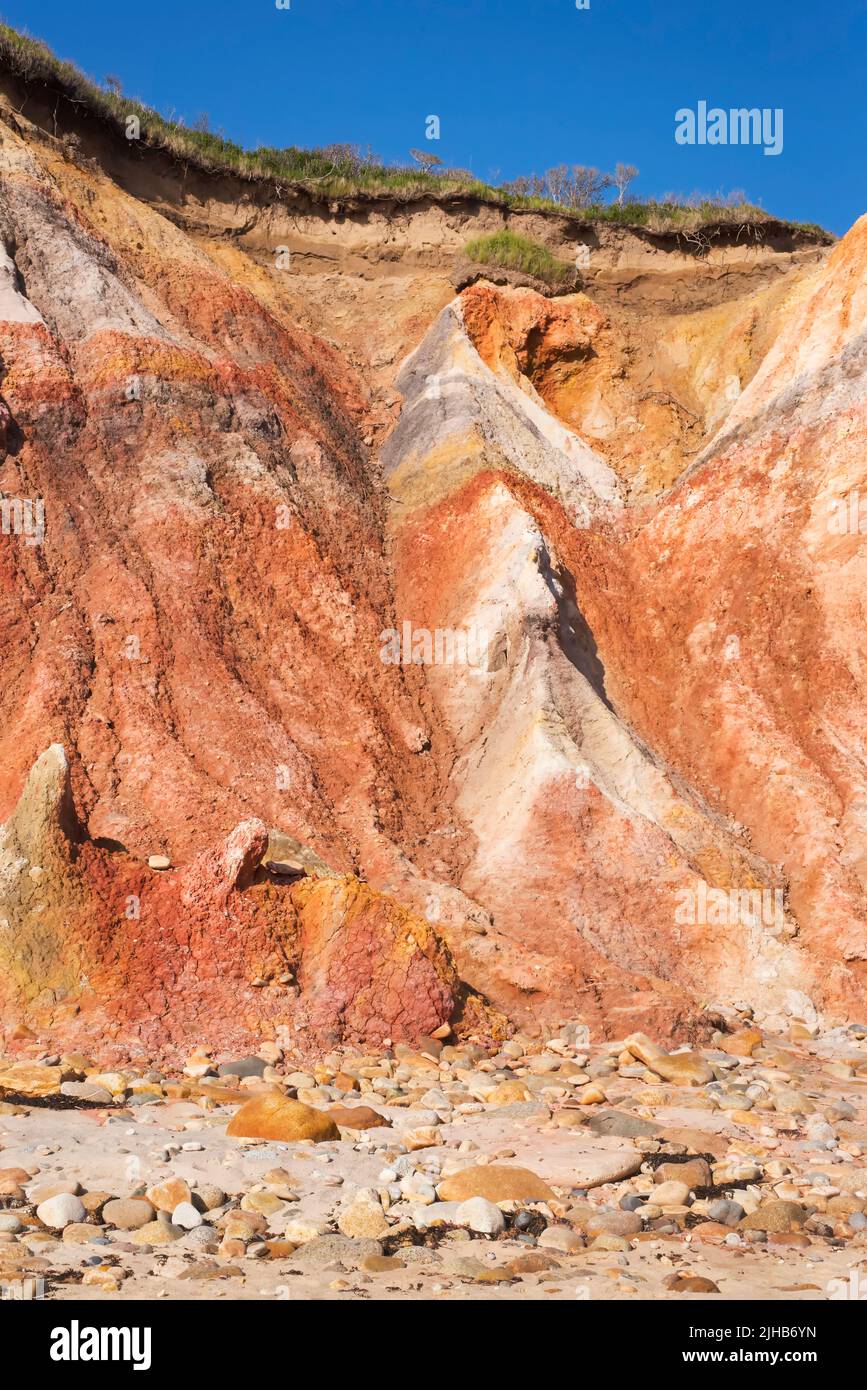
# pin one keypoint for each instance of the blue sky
(519, 85)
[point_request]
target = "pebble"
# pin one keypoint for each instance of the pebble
(671, 1194)
(186, 1216)
(128, 1213)
(209, 1196)
(244, 1066)
(326, 1249)
(619, 1223)
(107, 1278)
(58, 1211)
(695, 1173)
(156, 1233)
(725, 1211)
(85, 1090)
(682, 1068)
(775, 1216)
(203, 1235)
(562, 1238)
(622, 1125)
(435, 1214)
(611, 1243)
(480, 1215)
(364, 1218)
(631, 1202)
(165, 1196)
(357, 1117)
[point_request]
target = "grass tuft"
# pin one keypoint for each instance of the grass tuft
(510, 251)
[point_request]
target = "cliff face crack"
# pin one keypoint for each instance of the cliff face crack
(575, 638)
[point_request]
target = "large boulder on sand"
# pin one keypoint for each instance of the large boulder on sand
(276, 1117)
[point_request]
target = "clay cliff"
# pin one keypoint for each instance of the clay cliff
(467, 656)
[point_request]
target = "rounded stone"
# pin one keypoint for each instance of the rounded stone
(61, 1210)
(610, 1242)
(726, 1211)
(496, 1183)
(695, 1173)
(631, 1202)
(275, 1117)
(363, 1220)
(481, 1216)
(186, 1216)
(209, 1196)
(561, 1238)
(670, 1194)
(165, 1196)
(199, 1236)
(243, 1066)
(84, 1090)
(265, 1203)
(508, 1093)
(157, 1233)
(127, 1213)
(614, 1223)
(682, 1069)
(775, 1216)
(357, 1117)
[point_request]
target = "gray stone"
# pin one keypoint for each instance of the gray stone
(463, 1266)
(416, 1119)
(201, 1236)
(418, 1255)
(614, 1223)
(561, 1238)
(245, 1066)
(727, 1212)
(329, 1249)
(83, 1090)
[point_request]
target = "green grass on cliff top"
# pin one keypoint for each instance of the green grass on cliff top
(513, 252)
(340, 171)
